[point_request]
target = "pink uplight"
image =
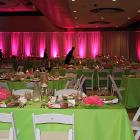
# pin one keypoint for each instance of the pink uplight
(82, 45)
(15, 42)
(95, 44)
(67, 42)
(42, 44)
(54, 45)
(1, 41)
(27, 43)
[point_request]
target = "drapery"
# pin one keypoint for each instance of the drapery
(115, 43)
(87, 44)
(33, 44)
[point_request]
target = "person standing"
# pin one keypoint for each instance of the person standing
(69, 56)
(45, 56)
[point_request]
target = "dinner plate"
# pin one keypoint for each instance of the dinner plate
(111, 101)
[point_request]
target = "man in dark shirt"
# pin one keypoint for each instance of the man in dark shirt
(69, 56)
(45, 56)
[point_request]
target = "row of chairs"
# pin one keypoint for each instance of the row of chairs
(11, 134)
(102, 77)
(53, 118)
(117, 74)
(76, 84)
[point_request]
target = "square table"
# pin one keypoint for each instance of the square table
(109, 122)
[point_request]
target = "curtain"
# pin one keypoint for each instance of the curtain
(115, 43)
(24, 44)
(58, 44)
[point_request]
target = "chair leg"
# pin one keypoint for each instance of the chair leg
(137, 135)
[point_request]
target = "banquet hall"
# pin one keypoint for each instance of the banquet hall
(69, 70)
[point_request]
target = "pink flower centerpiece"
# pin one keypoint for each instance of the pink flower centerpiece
(93, 101)
(4, 93)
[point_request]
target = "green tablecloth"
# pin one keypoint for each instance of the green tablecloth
(102, 123)
(54, 84)
(131, 94)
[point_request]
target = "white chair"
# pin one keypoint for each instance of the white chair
(136, 124)
(53, 119)
(117, 74)
(115, 88)
(79, 84)
(89, 78)
(134, 71)
(11, 133)
(70, 84)
(102, 76)
(20, 68)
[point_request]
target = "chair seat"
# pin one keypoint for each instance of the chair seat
(135, 125)
(120, 89)
(4, 135)
(54, 135)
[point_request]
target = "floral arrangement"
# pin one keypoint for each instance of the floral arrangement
(93, 100)
(4, 93)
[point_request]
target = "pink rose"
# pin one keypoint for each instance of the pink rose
(93, 100)
(4, 93)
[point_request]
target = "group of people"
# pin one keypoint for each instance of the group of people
(68, 58)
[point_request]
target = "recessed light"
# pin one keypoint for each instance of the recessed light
(138, 11)
(102, 18)
(74, 11)
(75, 17)
(113, 0)
(73, 0)
(129, 18)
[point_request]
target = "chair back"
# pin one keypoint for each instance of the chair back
(79, 83)
(134, 71)
(20, 69)
(115, 86)
(55, 119)
(117, 73)
(137, 115)
(102, 75)
(136, 124)
(89, 74)
(8, 118)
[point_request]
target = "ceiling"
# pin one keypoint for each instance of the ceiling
(78, 14)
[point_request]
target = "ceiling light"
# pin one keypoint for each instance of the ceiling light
(75, 17)
(138, 11)
(128, 18)
(73, 0)
(74, 11)
(102, 18)
(113, 0)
